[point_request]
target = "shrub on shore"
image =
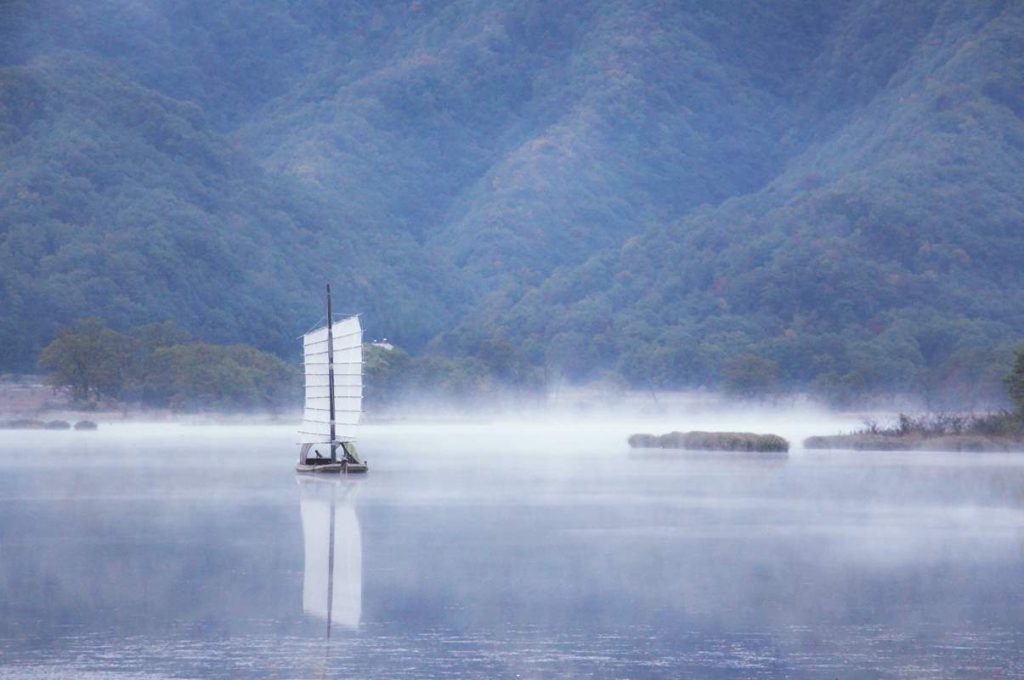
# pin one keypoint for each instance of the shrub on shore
(24, 424)
(998, 431)
(32, 424)
(711, 441)
(994, 424)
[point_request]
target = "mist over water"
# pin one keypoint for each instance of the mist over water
(532, 547)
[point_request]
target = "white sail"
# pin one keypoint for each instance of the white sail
(337, 593)
(348, 383)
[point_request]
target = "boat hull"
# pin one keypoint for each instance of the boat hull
(332, 468)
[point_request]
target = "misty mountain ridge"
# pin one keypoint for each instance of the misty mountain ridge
(663, 191)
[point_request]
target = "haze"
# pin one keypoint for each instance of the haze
(505, 549)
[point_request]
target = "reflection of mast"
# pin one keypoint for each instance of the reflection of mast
(330, 552)
(332, 587)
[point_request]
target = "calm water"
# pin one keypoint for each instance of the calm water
(502, 552)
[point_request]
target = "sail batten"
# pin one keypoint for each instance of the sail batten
(347, 350)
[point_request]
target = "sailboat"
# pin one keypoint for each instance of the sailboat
(332, 582)
(333, 361)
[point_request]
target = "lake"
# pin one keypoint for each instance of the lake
(504, 550)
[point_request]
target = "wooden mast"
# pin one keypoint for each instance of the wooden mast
(330, 373)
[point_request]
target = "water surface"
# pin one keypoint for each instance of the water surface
(503, 551)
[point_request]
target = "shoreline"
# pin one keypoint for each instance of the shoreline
(954, 443)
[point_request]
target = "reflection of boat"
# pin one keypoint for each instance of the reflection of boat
(332, 585)
(333, 361)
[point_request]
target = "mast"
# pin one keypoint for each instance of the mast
(330, 373)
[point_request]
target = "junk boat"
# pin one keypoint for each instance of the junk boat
(333, 361)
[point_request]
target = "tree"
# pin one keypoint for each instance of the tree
(385, 372)
(200, 375)
(89, 359)
(507, 364)
(1015, 381)
(152, 336)
(750, 376)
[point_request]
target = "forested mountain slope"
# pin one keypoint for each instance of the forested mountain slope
(830, 189)
(120, 202)
(885, 256)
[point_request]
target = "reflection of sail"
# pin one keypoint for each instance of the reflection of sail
(332, 588)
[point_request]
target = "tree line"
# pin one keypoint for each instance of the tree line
(160, 365)
(494, 373)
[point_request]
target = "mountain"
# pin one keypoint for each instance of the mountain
(666, 190)
(884, 255)
(121, 202)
